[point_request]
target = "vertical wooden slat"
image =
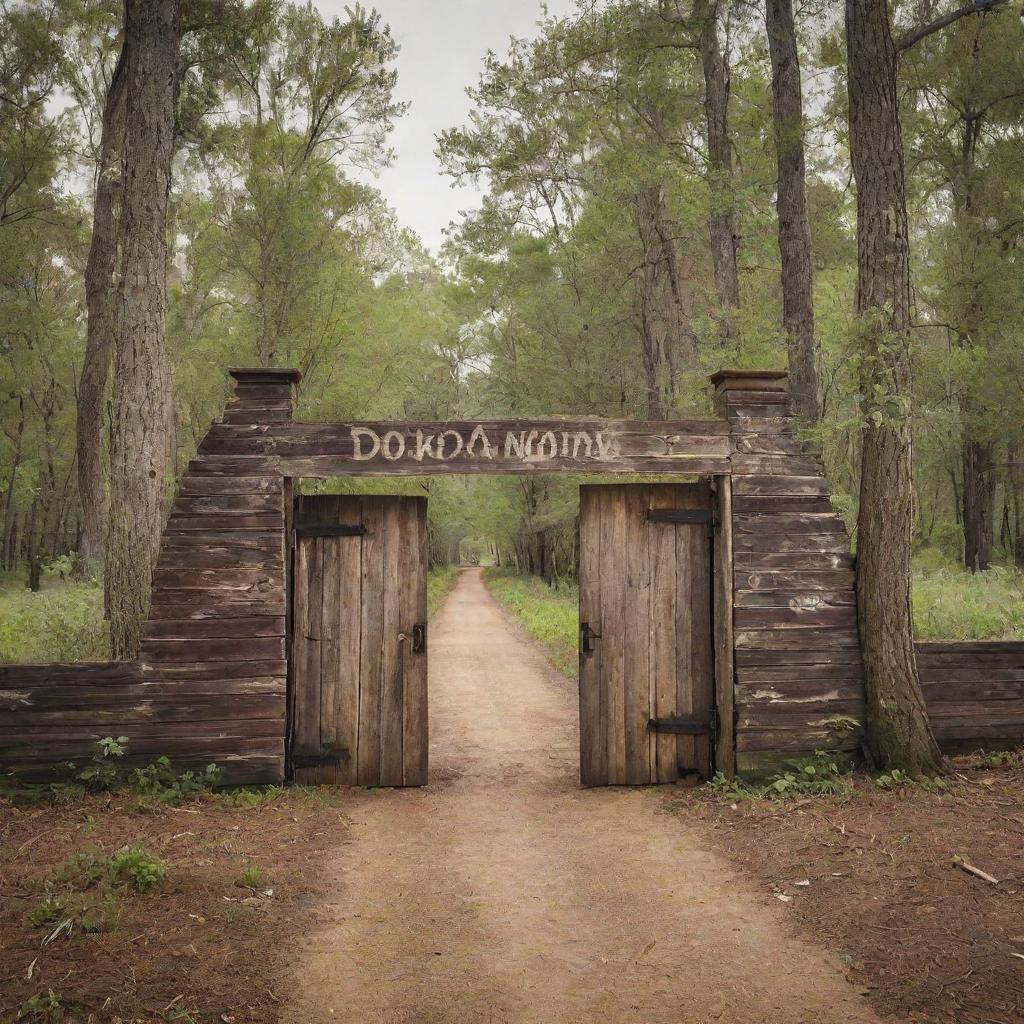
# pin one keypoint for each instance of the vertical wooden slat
(330, 627)
(368, 771)
(307, 694)
(593, 723)
(663, 631)
(413, 590)
(685, 745)
(725, 746)
(394, 650)
(636, 638)
(300, 624)
(350, 588)
(613, 585)
(702, 663)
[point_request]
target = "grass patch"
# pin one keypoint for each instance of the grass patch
(549, 615)
(440, 581)
(61, 622)
(952, 604)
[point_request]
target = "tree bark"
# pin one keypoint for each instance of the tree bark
(100, 297)
(722, 219)
(899, 733)
(142, 424)
(979, 502)
(791, 203)
(101, 303)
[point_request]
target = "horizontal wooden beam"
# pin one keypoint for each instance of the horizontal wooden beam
(489, 446)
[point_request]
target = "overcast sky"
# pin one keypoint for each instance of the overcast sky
(442, 44)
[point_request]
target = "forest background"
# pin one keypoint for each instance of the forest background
(628, 245)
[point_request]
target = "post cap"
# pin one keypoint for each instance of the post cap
(264, 375)
(765, 377)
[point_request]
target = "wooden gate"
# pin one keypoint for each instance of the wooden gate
(359, 644)
(646, 665)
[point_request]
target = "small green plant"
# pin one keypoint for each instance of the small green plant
(50, 911)
(820, 775)
(252, 796)
(251, 878)
(103, 772)
(42, 1009)
(133, 866)
(896, 779)
(160, 782)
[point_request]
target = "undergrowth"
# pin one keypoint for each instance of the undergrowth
(62, 622)
(440, 581)
(952, 604)
(821, 775)
(550, 615)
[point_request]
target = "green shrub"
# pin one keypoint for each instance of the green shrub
(160, 781)
(133, 866)
(251, 878)
(41, 1010)
(51, 910)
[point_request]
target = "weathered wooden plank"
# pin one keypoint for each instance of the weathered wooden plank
(613, 583)
(125, 711)
(775, 465)
(350, 583)
(828, 580)
(725, 746)
(221, 556)
(248, 583)
(259, 648)
(772, 444)
(778, 543)
(782, 503)
(780, 485)
(789, 638)
(662, 628)
(757, 618)
(766, 561)
(413, 604)
(330, 646)
(237, 521)
(592, 693)
(309, 627)
(694, 603)
(200, 485)
(393, 649)
(204, 670)
(805, 599)
(190, 629)
(636, 638)
(78, 673)
(368, 760)
(806, 654)
(227, 504)
(776, 522)
(171, 603)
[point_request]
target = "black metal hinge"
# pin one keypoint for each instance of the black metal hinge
(331, 530)
(682, 726)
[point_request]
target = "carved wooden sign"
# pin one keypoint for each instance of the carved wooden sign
(528, 446)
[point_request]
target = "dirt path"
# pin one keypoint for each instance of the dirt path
(504, 893)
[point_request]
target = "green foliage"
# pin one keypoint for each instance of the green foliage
(102, 773)
(897, 779)
(62, 622)
(951, 604)
(41, 1009)
(820, 775)
(135, 867)
(439, 582)
(51, 910)
(550, 615)
(252, 796)
(251, 878)
(159, 781)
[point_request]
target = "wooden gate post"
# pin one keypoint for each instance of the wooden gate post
(799, 683)
(214, 644)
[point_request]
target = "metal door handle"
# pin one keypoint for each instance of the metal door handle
(419, 637)
(587, 636)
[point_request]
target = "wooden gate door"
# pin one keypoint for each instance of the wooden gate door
(646, 665)
(359, 642)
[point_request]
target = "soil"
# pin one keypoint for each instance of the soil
(929, 941)
(502, 892)
(195, 949)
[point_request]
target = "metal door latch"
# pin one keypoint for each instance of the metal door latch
(419, 638)
(587, 638)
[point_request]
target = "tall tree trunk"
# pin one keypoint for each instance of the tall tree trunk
(791, 203)
(722, 219)
(101, 302)
(979, 502)
(142, 424)
(898, 730)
